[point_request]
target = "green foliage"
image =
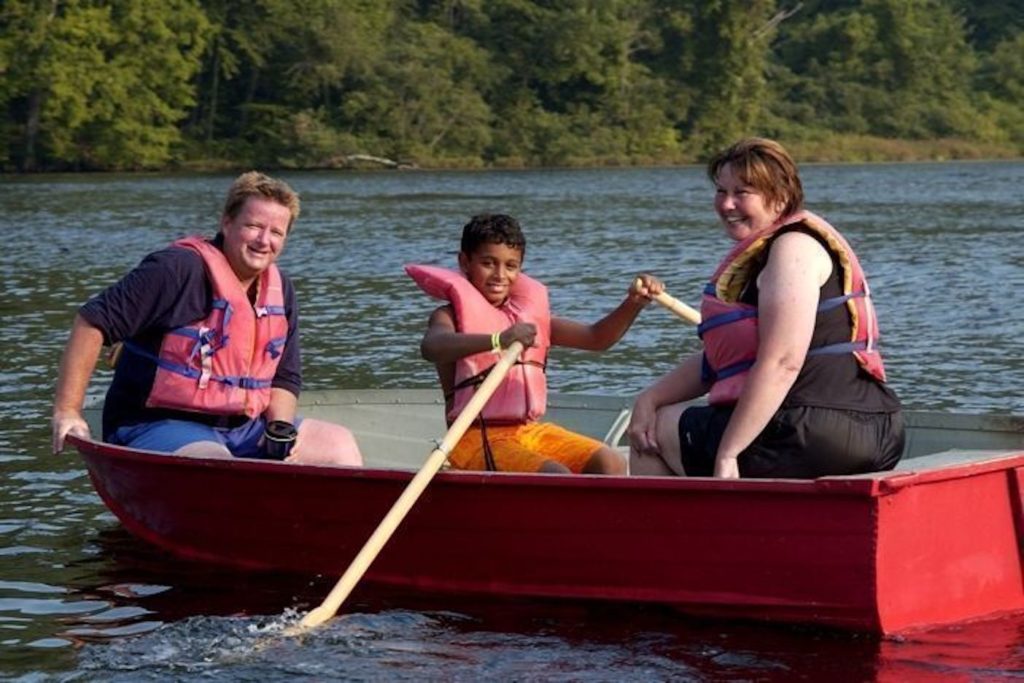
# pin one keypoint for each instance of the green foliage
(298, 54)
(125, 84)
(990, 22)
(1003, 73)
(424, 100)
(893, 68)
(573, 85)
(731, 40)
(104, 85)
(1001, 82)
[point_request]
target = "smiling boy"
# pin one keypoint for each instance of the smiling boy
(491, 304)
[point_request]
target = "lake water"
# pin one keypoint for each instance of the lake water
(80, 599)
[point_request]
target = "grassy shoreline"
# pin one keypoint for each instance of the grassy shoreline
(839, 149)
(832, 149)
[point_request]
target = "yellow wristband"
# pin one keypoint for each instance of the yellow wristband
(496, 342)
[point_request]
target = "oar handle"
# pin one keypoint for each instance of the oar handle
(412, 491)
(673, 304)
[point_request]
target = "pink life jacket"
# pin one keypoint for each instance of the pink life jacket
(729, 328)
(223, 364)
(522, 396)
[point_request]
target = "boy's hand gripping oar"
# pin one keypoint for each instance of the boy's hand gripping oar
(673, 304)
(412, 492)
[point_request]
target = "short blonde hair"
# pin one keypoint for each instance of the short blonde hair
(766, 166)
(256, 184)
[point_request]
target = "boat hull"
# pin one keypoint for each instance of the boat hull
(881, 553)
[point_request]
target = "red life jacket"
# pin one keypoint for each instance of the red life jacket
(522, 396)
(729, 328)
(223, 364)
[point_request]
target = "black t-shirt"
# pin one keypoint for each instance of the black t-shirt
(167, 290)
(829, 380)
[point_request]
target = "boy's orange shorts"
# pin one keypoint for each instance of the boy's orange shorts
(523, 448)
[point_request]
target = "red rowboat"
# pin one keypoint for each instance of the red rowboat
(938, 540)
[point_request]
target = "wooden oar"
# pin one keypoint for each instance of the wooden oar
(412, 492)
(673, 304)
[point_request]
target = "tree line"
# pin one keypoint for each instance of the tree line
(137, 84)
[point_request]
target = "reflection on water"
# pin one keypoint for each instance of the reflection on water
(81, 599)
(547, 641)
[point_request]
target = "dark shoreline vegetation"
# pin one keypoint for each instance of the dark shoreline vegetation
(200, 85)
(834, 150)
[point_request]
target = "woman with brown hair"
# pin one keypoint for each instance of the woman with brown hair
(795, 382)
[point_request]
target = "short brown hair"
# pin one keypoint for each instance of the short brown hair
(766, 166)
(256, 184)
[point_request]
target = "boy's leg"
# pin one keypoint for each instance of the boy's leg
(579, 453)
(507, 448)
(553, 467)
(605, 460)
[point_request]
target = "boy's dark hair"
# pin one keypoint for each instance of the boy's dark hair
(492, 228)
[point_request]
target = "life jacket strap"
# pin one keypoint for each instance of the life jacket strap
(262, 311)
(725, 319)
(709, 374)
(478, 378)
(490, 463)
(192, 373)
(274, 346)
(205, 353)
(742, 314)
(837, 301)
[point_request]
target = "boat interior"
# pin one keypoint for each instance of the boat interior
(398, 428)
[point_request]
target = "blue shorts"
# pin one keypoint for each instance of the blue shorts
(167, 436)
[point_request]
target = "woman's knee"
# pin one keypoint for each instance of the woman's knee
(669, 448)
(325, 443)
(204, 449)
(650, 465)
